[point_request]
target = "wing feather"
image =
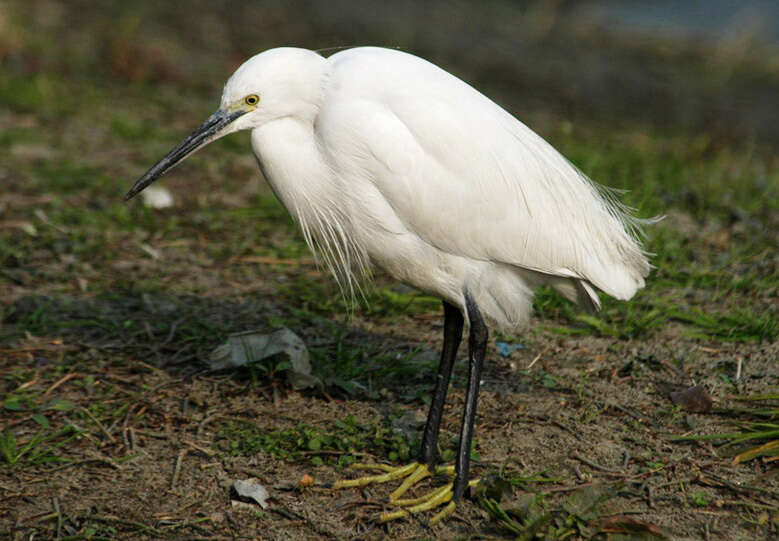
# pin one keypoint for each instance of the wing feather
(468, 178)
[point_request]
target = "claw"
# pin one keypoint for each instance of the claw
(443, 513)
(413, 473)
(420, 472)
(411, 503)
(431, 500)
(390, 475)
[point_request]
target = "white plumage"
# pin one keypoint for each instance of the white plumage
(386, 160)
(391, 161)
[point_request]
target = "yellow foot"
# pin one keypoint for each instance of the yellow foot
(412, 473)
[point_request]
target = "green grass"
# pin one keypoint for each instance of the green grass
(579, 516)
(694, 176)
(339, 445)
(742, 325)
(368, 370)
(713, 186)
(759, 430)
(46, 428)
(43, 447)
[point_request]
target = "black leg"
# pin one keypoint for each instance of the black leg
(477, 347)
(453, 332)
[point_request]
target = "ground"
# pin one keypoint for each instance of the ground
(112, 427)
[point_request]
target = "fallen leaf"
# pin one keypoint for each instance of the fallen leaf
(770, 448)
(250, 489)
(695, 399)
(252, 346)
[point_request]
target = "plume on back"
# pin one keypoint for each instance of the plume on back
(471, 180)
(578, 228)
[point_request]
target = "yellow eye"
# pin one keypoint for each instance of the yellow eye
(252, 99)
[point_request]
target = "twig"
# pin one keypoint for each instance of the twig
(152, 368)
(533, 361)
(567, 489)
(177, 468)
(30, 383)
(591, 464)
(129, 438)
(286, 513)
(187, 524)
(62, 380)
(56, 505)
(101, 460)
(41, 518)
(727, 484)
(204, 422)
(158, 435)
(623, 409)
(708, 349)
(568, 429)
(756, 505)
(117, 520)
(99, 424)
(208, 452)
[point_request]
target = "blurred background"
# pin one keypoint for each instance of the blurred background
(698, 65)
(674, 101)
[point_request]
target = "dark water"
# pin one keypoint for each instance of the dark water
(712, 19)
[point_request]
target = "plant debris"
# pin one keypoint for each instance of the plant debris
(250, 489)
(694, 399)
(244, 348)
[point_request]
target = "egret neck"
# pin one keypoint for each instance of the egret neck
(298, 173)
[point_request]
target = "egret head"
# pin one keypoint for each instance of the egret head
(279, 83)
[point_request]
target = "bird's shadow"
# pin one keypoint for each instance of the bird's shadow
(177, 333)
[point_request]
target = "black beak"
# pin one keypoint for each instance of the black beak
(209, 131)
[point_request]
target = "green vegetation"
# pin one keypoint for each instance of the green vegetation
(580, 515)
(712, 252)
(759, 430)
(366, 370)
(338, 445)
(729, 280)
(40, 449)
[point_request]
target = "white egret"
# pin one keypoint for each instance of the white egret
(386, 160)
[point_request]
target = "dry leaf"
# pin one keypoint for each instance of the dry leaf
(695, 399)
(251, 489)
